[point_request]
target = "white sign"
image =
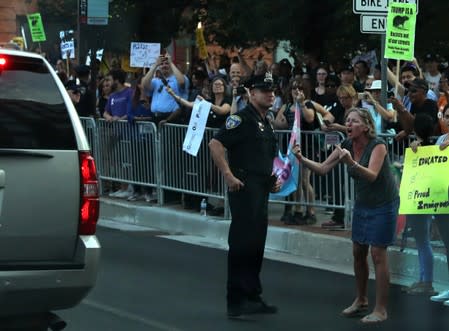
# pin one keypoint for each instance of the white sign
(376, 6)
(98, 55)
(68, 47)
(144, 55)
(373, 24)
(197, 125)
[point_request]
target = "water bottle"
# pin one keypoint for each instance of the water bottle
(203, 207)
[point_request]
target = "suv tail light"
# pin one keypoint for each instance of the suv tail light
(90, 201)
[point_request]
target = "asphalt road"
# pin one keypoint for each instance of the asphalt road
(151, 283)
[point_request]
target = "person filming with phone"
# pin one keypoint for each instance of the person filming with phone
(370, 99)
(163, 107)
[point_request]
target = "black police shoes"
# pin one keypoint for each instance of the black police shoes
(248, 307)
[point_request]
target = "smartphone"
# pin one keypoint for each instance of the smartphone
(327, 122)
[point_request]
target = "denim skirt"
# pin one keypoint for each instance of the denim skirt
(375, 226)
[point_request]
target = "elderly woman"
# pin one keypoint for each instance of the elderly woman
(375, 209)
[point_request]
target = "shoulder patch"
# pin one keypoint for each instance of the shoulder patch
(233, 121)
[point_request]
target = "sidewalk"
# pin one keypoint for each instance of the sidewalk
(329, 249)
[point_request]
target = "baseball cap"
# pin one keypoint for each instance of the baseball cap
(432, 58)
(420, 83)
(347, 67)
(285, 62)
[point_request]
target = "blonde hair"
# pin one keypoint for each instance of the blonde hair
(348, 90)
(367, 119)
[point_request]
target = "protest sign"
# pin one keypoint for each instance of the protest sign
(144, 55)
(424, 183)
(197, 125)
(36, 27)
(400, 34)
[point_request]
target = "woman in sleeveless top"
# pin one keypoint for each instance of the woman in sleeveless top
(375, 209)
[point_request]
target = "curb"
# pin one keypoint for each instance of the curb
(324, 249)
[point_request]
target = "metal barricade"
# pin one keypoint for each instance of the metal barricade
(185, 173)
(128, 152)
(329, 190)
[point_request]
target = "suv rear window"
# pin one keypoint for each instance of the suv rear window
(33, 114)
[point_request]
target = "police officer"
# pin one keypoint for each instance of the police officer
(251, 146)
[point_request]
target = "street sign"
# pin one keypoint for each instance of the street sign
(373, 24)
(377, 6)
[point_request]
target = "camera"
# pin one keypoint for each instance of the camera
(390, 94)
(241, 89)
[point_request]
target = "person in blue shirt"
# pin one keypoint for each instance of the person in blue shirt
(161, 74)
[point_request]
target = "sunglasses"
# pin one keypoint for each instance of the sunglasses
(294, 87)
(330, 86)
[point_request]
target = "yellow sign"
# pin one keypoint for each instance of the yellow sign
(400, 34)
(19, 41)
(425, 183)
(200, 42)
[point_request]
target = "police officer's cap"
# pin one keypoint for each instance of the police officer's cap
(262, 82)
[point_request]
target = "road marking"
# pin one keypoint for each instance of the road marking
(130, 316)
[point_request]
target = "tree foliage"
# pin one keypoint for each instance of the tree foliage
(328, 28)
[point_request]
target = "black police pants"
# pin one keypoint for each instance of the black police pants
(247, 234)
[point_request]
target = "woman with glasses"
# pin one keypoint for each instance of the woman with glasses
(375, 209)
(221, 103)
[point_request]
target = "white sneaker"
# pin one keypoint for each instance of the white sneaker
(135, 197)
(147, 197)
(114, 194)
(442, 297)
(123, 194)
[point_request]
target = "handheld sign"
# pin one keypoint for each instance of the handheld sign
(400, 34)
(144, 55)
(424, 183)
(36, 27)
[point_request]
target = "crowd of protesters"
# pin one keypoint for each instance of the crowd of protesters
(325, 93)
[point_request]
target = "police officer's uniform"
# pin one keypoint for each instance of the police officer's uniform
(251, 146)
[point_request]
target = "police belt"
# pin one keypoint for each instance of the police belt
(248, 173)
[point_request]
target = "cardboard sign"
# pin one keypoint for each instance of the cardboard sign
(400, 35)
(144, 55)
(36, 27)
(425, 184)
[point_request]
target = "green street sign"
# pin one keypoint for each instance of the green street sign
(400, 34)
(36, 27)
